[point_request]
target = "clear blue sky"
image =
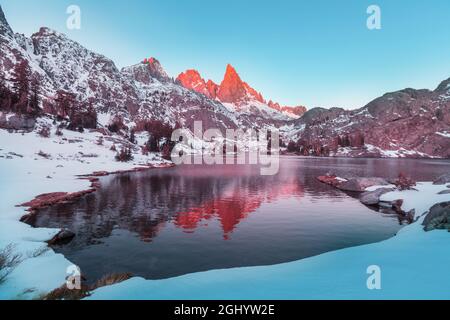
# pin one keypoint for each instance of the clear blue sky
(317, 53)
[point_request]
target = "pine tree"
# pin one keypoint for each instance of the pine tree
(5, 96)
(65, 102)
(132, 137)
(21, 86)
(35, 100)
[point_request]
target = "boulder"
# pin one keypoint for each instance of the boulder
(397, 206)
(438, 217)
(360, 184)
(17, 122)
(445, 192)
(331, 180)
(63, 237)
(445, 178)
(371, 198)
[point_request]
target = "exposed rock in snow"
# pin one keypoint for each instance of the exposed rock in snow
(14, 121)
(438, 217)
(445, 178)
(361, 184)
(353, 184)
(63, 237)
(371, 198)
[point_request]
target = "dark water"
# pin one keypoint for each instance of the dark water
(168, 222)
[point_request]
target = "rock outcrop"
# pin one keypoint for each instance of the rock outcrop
(16, 122)
(438, 217)
(372, 198)
(354, 184)
(444, 179)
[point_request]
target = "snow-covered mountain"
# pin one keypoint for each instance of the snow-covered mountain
(137, 92)
(405, 123)
(413, 123)
(238, 95)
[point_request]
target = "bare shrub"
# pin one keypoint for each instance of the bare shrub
(44, 132)
(124, 155)
(111, 279)
(117, 125)
(43, 154)
(39, 252)
(63, 293)
(145, 150)
(8, 262)
(58, 132)
(404, 183)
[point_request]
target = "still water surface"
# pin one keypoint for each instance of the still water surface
(168, 222)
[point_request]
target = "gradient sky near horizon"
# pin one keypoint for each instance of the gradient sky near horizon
(315, 53)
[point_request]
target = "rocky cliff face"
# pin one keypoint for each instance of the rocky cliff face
(191, 79)
(238, 95)
(138, 92)
(234, 90)
(405, 123)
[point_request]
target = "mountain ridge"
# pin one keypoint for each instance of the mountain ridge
(233, 90)
(404, 123)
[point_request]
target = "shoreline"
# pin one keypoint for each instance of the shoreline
(47, 200)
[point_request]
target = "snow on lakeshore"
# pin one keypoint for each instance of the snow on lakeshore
(425, 195)
(23, 175)
(414, 265)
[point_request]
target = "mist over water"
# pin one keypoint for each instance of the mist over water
(167, 222)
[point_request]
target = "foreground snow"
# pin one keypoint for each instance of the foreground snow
(414, 265)
(23, 175)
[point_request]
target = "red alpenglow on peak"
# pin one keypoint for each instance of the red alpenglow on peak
(234, 90)
(213, 89)
(192, 80)
(297, 110)
(231, 90)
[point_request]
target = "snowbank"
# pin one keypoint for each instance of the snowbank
(24, 174)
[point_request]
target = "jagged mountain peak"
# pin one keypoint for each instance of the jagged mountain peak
(233, 90)
(5, 28)
(192, 80)
(190, 77)
(46, 32)
(155, 69)
(230, 71)
(444, 87)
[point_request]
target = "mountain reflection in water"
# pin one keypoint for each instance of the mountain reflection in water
(167, 222)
